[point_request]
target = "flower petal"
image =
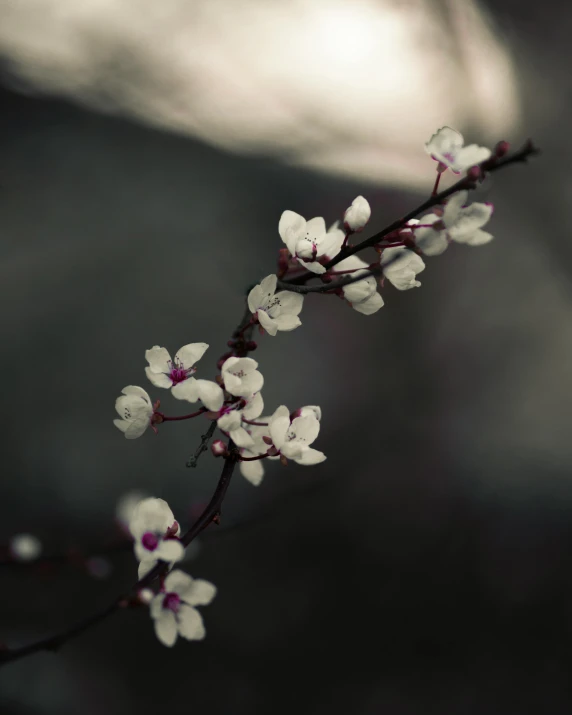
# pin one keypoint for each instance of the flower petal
(369, 306)
(254, 407)
(291, 227)
(278, 426)
(267, 322)
(241, 437)
(210, 394)
(305, 429)
(290, 302)
(252, 471)
(199, 593)
(186, 390)
(310, 456)
(151, 514)
(159, 379)
(158, 359)
(286, 323)
(478, 238)
(312, 266)
(190, 623)
(166, 627)
(189, 354)
(170, 550)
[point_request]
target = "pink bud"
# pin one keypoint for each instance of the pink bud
(218, 448)
(474, 173)
(251, 345)
(501, 149)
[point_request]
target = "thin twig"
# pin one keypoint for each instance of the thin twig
(203, 446)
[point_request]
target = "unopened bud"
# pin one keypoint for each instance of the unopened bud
(501, 149)
(145, 596)
(357, 215)
(218, 448)
(231, 343)
(251, 345)
(267, 440)
(474, 173)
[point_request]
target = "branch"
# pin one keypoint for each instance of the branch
(203, 446)
(467, 182)
(328, 287)
(209, 515)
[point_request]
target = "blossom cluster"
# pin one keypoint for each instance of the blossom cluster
(234, 398)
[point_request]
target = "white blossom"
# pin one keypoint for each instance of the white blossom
(275, 311)
(173, 609)
(154, 530)
(400, 266)
(126, 504)
(253, 471)
(293, 437)
(177, 375)
(308, 241)
(240, 376)
(231, 416)
(25, 547)
(459, 223)
(362, 295)
(135, 409)
(357, 215)
(446, 146)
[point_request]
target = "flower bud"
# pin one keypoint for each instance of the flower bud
(145, 596)
(357, 215)
(501, 149)
(251, 345)
(218, 448)
(474, 173)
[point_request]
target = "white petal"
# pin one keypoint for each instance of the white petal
(311, 410)
(292, 450)
(310, 456)
(478, 238)
(230, 421)
(312, 266)
(158, 359)
(166, 627)
(267, 323)
(360, 290)
(169, 550)
(231, 382)
(331, 244)
(469, 156)
(305, 428)
(290, 302)
(186, 390)
(190, 623)
(358, 214)
(189, 354)
(136, 391)
(286, 323)
(252, 471)
(241, 437)
(278, 426)
(151, 515)
(178, 582)
(268, 287)
(254, 407)
(199, 593)
(136, 427)
(121, 424)
(159, 379)
(452, 209)
(156, 605)
(431, 242)
(316, 227)
(469, 220)
(369, 306)
(210, 394)
(145, 566)
(291, 227)
(255, 299)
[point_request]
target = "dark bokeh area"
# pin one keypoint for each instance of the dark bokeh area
(425, 566)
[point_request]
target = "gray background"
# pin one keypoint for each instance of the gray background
(425, 566)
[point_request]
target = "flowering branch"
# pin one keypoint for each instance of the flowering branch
(233, 402)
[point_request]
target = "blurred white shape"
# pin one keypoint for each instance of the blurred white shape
(25, 547)
(349, 87)
(126, 505)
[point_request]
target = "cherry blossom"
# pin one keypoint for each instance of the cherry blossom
(275, 311)
(231, 416)
(400, 266)
(173, 609)
(292, 437)
(155, 530)
(135, 409)
(446, 147)
(177, 374)
(458, 223)
(357, 215)
(362, 295)
(253, 471)
(240, 376)
(308, 241)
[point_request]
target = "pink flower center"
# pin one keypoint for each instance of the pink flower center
(149, 541)
(172, 602)
(178, 372)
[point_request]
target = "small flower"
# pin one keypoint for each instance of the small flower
(362, 295)
(400, 266)
(177, 374)
(231, 416)
(357, 215)
(275, 311)
(459, 223)
(293, 437)
(308, 241)
(135, 409)
(240, 376)
(446, 146)
(25, 547)
(173, 608)
(154, 530)
(218, 448)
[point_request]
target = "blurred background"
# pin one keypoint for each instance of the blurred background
(147, 152)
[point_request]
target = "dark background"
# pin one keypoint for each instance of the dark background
(425, 566)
